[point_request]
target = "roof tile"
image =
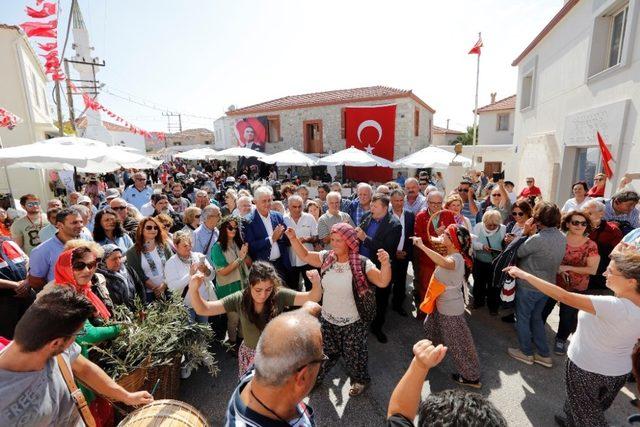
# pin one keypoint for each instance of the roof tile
(508, 103)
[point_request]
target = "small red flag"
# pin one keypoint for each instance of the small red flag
(48, 9)
(41, 29)
(476, 47)
(607, 158)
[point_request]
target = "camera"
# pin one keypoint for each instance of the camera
(497, 176)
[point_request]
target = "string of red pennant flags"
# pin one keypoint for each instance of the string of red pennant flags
(8, 119)
(52, 62)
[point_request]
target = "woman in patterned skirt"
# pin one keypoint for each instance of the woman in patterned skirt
(447, 325)
(257, 304)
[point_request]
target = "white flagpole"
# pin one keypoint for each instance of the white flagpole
(475, 110)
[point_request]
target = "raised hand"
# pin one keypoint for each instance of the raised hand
(427, 355)
(290, 233)
(383, 256)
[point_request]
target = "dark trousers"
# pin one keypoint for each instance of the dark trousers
(382, 302)
(11, 310)
(482, 289)
(293, 277)
(568, 318)
(280, 269)
(399, 282)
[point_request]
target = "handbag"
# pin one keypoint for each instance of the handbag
(434, 290)
(508, 291)
(76, 394)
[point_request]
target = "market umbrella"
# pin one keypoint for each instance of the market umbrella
(354, 157)
(291, 157)
(431, 157)
(235, 153)
(197, 154)
(68, 150)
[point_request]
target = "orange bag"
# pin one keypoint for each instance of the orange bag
(434, 290)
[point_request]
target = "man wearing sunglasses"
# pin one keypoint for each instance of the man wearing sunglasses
(139, 193)
(530, 190)
(24, 231)
(272, 393)
(470, 206)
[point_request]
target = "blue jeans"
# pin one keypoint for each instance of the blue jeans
(529, 323)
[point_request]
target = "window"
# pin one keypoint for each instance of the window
(274, 128)
(502, 122)
(588, 164)
(526, 100)
(616, 37)
(34, 87)
(416, 122)
(177, 143)
(430, 130)
(207, 143)
(343, 129)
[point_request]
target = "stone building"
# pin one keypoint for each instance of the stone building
(314, 122)
(577, 77)
(193, 138)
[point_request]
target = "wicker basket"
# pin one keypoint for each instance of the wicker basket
(169, 376)
(435, 221)
(135, 380)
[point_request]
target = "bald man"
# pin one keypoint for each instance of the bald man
(287, 361)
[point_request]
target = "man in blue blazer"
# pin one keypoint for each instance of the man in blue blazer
(404, 253)
(264, 232)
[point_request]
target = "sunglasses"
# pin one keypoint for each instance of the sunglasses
(324, 359)
(231, 228)
(197, 216)
(81, 265)
(496, 195)
(462, 190)
(529, 182)
(517, 213)
(32, 204)
(151, 227)
(599, 179)
(119, 208)
(579, 223)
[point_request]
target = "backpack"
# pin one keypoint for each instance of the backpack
(500, 279)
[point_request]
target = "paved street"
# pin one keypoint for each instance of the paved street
(526, 395)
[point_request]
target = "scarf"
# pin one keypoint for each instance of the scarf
(488, 232)
(63, 275)
(348, 233)
(461, 239)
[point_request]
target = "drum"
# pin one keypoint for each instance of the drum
(165, 412)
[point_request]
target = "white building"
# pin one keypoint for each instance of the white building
(119, 135)
(577, 77)
(444, 136)
(23, 92)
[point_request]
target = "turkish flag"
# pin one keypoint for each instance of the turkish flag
(371, 129)
(476, 47)
(607, 158)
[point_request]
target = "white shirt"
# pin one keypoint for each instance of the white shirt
(177, 275)
(157, 279)
(275, 250)
(338, 304)
(147, 209)
(571, 204)
(401, 219)
(513, 197)
(305, 227)
(603, 342)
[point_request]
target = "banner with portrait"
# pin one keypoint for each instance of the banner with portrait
(252, 132)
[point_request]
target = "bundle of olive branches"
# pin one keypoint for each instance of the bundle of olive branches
(153, 336)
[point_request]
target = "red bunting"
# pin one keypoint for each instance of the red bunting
(48, 46)
(48, 9)
(8, 120)
(52, 54)
(41, 29)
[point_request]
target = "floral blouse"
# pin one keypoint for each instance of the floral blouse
(577, 256)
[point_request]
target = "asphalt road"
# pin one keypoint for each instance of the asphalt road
(526, 395)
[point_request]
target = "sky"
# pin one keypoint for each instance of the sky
(198, 57)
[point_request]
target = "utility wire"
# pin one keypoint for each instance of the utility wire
(151, 105)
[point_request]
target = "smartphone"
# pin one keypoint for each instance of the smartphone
(497, 176)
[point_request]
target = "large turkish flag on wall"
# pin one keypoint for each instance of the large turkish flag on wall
(371, 129)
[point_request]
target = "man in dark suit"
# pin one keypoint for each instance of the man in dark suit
(379, 230)
(404, 251)
(264, 232)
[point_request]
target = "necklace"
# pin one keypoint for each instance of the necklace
(271, 410)
(39, 226)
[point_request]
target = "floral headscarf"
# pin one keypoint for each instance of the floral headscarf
(63, 275)
(461, 239)
(348, 233)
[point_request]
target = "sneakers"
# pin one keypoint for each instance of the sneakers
(560, 347)
(461, 380)
(517, 354)
(544, 361)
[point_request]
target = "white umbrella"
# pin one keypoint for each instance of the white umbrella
(291, 157)
(234, 153)
(197, 154)
(73, 151)
(354, 157)
(431, 157)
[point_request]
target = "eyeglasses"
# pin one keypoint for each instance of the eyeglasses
(579, 223)
(140, 179)
(517, 213)
(463, 190)
(609, 272)
(598, 179)
(32, 204)
(119, 208)
(496, 195)
(529, 181)
(151, 227)
(81, 265)
(435, 203)
(197, 216)
(324, 359)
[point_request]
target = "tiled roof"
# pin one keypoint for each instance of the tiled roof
(557, 18)
(503, 104)
(372, 93)
(445, 131)
(192, 132)
(10, 27)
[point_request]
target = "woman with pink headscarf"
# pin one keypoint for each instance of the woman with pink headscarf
(348, 304)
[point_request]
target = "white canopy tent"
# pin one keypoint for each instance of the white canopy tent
(432, 157)
(291, 157)
(197, 154)
(235, 153)
(73, 151)
(353, 157)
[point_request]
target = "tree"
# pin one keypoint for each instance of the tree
(466, 138)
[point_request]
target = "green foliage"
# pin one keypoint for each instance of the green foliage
(465, 138)
(154, 336)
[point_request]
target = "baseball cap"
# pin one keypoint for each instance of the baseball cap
(84, 199)
(112, 193)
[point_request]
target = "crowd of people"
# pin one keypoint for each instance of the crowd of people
(242, 253)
